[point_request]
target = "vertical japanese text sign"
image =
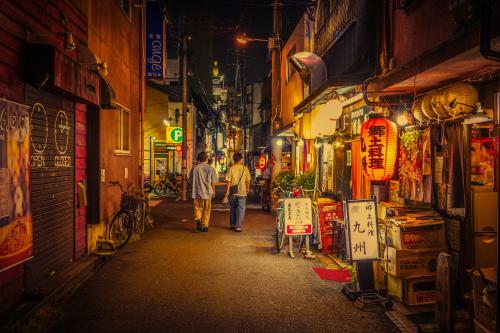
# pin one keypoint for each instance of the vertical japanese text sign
(362, 228)
(15, 210)
(155, 41)
(298, 216)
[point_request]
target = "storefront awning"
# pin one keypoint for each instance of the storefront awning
(333, 87)
(287, 130)
(108, 95)
(448, 63)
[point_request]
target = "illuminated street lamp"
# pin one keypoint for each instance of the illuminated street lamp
(243, 39)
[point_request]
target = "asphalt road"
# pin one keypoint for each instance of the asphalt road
(177, 280)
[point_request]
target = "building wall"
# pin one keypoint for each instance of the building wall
(43, 19)
(114, 38)
(413, 32)
(291, 87)
(159, 108)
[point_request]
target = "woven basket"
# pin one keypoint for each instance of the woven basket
(426, 107)
(464, 94)
(417, 110)
(129, 202)
(439, 104)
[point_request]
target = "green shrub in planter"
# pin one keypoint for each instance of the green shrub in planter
(286, 181)
(306, 181)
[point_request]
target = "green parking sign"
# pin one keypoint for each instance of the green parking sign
(174, 134)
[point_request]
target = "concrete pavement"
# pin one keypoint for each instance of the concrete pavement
(177, 280)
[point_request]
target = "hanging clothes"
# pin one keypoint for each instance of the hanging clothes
(456, 175)
(356, 172)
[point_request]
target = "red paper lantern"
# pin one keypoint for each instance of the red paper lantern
(379, 141)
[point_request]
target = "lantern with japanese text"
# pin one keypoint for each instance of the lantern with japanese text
(379, 140)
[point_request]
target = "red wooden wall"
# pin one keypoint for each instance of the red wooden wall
(80, 176)
(42, 18)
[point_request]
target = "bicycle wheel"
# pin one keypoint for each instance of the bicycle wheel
(140, 218)
(120, 229)
(148, 222)
(279, 232)
(160, 188)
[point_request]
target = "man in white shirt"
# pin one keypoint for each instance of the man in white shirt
(203, 180)
(238, 185)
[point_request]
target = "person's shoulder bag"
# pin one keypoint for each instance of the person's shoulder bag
(234, 188)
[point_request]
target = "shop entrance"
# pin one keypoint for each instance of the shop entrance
(52, 183)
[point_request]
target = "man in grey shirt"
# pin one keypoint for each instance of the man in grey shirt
(203, 180)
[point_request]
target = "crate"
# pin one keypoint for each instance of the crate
(411, 233)
(413, 290)
(410, 262)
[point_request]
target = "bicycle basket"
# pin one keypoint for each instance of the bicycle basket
(129, 202)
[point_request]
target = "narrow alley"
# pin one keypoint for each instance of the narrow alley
(177, 280)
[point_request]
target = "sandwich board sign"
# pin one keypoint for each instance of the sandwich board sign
(298, 216)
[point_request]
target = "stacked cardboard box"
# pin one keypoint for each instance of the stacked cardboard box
(410, 247)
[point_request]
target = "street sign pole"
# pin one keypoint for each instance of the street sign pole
(184, 119)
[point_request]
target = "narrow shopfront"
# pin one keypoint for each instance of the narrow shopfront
(59, 144)
(52, 194)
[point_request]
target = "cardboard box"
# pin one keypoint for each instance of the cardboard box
(411, 233)
(410, 262)
(412, 290)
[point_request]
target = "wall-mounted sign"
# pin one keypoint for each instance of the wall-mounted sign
(155, 41)
(174, 135)
(298, 216)
(15, 209)
(362, 232)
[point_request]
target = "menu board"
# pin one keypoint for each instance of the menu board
(361, 220)
(298, 216)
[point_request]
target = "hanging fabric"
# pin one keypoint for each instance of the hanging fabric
(356, 172)
(456, 176)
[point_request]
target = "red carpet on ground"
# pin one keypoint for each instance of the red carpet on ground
(339, 275)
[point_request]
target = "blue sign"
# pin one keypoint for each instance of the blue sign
(155, 41)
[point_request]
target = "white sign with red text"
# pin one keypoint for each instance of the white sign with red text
(361, 219)
(298, 216)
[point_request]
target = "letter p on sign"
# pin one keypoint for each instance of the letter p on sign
(174, 135)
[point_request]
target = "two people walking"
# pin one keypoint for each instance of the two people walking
(204, 178)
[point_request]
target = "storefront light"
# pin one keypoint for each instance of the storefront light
(279, 142)
(402, 119)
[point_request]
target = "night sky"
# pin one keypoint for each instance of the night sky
(232, 17)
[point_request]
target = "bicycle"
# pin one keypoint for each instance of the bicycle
(279, 230)
(144, 221)
(167, 183)
(124, 221)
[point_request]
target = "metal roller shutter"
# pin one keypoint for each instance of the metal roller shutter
(52, 191)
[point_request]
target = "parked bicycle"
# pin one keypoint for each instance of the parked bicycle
(279, 229)
(167, 184)
(133, 217)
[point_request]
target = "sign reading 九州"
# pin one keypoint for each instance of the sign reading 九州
(362, 229)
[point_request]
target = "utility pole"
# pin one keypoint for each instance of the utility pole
(275, 122)
(184, 119)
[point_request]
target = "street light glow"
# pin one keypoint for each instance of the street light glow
(242, 39)
(166, 122)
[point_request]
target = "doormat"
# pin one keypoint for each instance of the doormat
(339, 275)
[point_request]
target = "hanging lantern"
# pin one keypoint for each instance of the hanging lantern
(379, 140)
